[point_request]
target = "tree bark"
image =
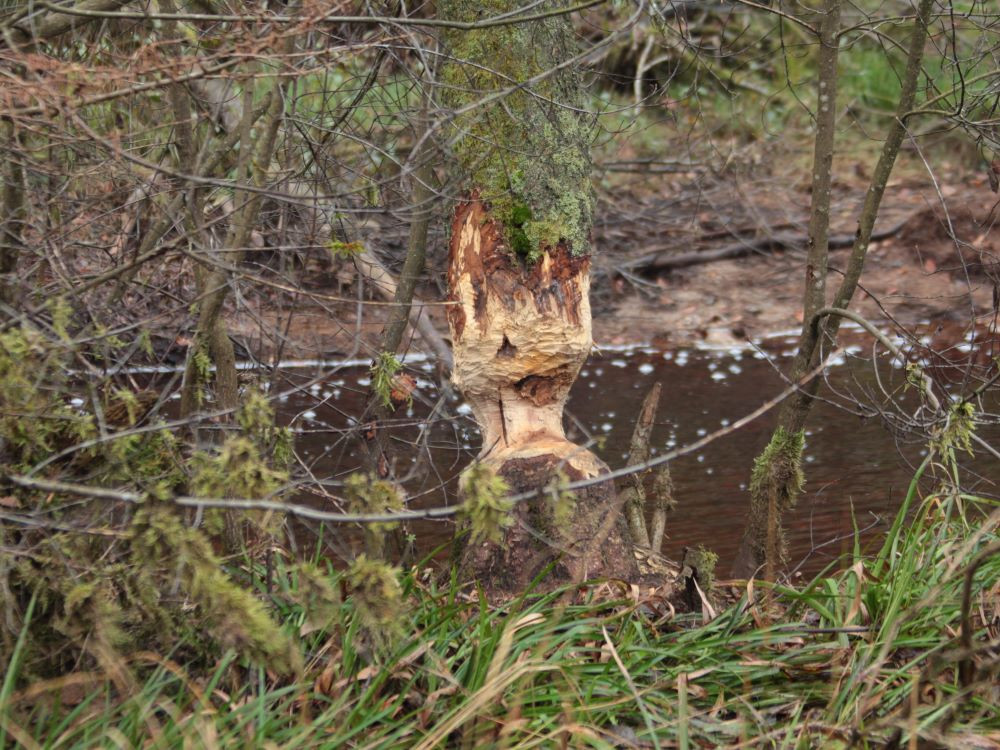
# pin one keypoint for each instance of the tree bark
(211, 334)
(777, 474)
(519, 337)
(376, 433)
(25, 33)
(519, 271)
(12, 214)
(211, 338)
(633, 493)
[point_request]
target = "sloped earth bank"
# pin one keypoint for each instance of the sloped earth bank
(717, 335)
(940, 267)
(937, 270)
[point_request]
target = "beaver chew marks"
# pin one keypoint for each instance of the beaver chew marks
(545, 389)
(506, 349)
(520, 333)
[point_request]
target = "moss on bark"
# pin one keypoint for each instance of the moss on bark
(525, 151)
(775, 484)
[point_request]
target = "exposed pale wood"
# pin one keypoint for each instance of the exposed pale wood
(512, 330)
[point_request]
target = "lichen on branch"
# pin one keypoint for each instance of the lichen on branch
(526, 152)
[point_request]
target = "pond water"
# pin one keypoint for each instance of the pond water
(858, 468)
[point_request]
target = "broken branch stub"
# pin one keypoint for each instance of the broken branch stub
(520, 333)
(633, 493)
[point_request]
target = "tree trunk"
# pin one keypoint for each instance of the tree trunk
(520, 335)
(211, 334)
(376, 437)
(777, 476)
(519, 275)
(12, 214)
(777, 479)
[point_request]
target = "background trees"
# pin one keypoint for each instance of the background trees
(196, 194)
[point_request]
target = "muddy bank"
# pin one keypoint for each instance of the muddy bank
(941, 266)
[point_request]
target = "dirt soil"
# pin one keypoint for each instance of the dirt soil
(938, 272)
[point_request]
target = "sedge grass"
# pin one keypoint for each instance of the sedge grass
(863, 657)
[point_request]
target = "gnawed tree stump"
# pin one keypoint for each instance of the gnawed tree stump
(520, 333)
(519, 269)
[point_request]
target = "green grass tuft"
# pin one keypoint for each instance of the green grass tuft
(862, 656)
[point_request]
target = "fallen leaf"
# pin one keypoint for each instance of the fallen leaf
(403, 386)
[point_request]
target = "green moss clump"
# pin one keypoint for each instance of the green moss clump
(35, 419)
(520, 214)
(958, 431)
(521, 244)
(704, 561)
(485, 507)
(776, 481)
(384, 370)
(163, 548)
(527, 152)
(779, 467)
(378, 601)
(106, 579)
(369, 495)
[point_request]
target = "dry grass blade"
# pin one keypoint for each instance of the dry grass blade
(632, 687)
(478, 701)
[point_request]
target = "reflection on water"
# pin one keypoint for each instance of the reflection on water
(857, 469)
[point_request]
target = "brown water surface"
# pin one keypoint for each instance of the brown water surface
(858, 468)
